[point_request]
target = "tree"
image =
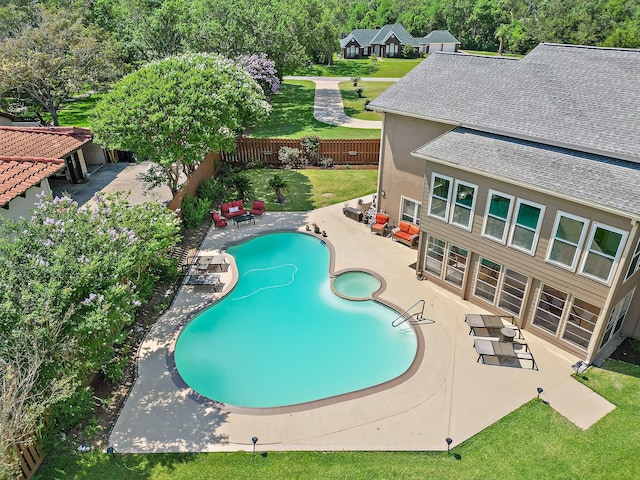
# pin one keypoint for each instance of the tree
(279, 184)
(241, 183)
(262, 70)
(175, 111)
(71, 280)
(54, 59)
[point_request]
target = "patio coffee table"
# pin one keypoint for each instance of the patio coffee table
(247, 217)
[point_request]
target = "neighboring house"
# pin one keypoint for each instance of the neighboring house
(8, 119)
(438, 41)
(387, 41)
(30, 155)
(524, 176)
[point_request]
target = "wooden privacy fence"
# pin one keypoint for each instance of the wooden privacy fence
(342, 152)
(30, 459)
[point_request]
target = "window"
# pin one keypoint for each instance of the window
(604, 248)
(549, 310)
(410, 210)
(580, 323)
(567, 239)
(392, 50)
(487, 280)
(512, 292)
(463, 204)
(440, 196)
(635, 262)
(497, 216)
(352, 51)
(616, 319)
(456, 265)
(434, 256)
(526, 227)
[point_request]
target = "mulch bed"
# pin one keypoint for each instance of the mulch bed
(627, 353)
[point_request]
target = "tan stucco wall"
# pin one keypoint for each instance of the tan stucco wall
(23, 207)
(400, 173)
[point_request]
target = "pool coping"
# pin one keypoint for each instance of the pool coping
(450, 395)
(298, 407)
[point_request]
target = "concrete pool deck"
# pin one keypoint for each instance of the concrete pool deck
(450, 395)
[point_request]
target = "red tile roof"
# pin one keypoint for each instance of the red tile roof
(28, 155)
(17, 176)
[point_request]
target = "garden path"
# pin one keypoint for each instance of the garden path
(328, 107)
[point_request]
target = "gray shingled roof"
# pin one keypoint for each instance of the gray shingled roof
(368, 37)
(362, 36)
(583, 98)
(581, 176)
(399, 31)
(438, 36)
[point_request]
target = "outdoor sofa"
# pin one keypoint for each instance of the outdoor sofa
(233, 209)
(406, 233)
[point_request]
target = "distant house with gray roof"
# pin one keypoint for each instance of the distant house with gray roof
(524, 177)
(437, 41)
(387, 41)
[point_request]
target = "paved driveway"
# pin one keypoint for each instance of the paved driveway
(111, 178)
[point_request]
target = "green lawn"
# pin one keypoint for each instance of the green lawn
(310, 189)
(292, 116)
(385, 68)
(533, 442)
(354, 105)
(76, 113)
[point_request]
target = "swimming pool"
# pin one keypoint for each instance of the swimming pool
(282, 337)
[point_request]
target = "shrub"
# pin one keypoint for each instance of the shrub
(359, 91)
(366, 104)
(211, 190)
(373, 58)
(194, 211)
(355, 80)
(289, 157)
(310, 148)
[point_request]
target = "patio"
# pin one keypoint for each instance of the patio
(449, 395)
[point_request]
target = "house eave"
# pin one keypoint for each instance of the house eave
(613, 211)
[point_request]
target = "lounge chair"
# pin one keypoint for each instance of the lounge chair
(503, 353)
(492, 326)
(379, 227)
(218, 220)
(257, 208)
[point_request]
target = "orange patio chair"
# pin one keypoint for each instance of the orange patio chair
(381, 224)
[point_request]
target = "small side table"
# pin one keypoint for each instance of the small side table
(508, 334)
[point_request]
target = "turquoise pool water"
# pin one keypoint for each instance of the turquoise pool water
(282, 337)
(356, 285)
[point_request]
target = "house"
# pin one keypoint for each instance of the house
(438, 41)
(523, 175)
(387, 41)
(29, 156)
(9, 119)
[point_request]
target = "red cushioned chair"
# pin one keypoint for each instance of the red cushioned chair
(257, 208)
(381, 223)
(219, 221)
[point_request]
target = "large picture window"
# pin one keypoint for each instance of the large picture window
(487, 280)
(434, 257)
(567, 239)
(512, 292)
(497, 216)
(464, 200)
(581, 321)
(526, 226)
(549, 309)
(440, 196)
(603, 251)
(456, 265)
(410, 211)
(616, 319)
(635, 262)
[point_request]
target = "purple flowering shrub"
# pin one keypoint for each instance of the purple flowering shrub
(262, 70)
(74, 278)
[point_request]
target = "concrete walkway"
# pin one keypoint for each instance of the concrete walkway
(448, 395)
(328, 107)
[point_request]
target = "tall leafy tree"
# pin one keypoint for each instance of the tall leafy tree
(175, 111)
(54, 59)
